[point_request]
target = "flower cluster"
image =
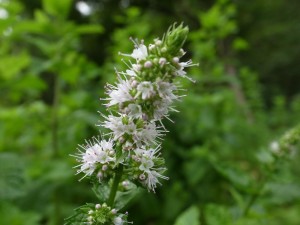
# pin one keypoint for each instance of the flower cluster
(142, 96)
(288, 143)
(104, 214)
(96, 157)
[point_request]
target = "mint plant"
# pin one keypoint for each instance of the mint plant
(128, 155)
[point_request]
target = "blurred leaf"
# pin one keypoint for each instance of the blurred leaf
(89, 29)
(198, 168)
(11, 215)
(10, 66)
(59, 8)
(124, 197)
(217, 214)
(265, 156)
(283, 193)
(28, 26)
(102, 191)
(12, 180)
(240, 44)
(234, 175)
(190, 216)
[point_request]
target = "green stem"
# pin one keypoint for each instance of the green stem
(114, 187)
(253, 199)
(55, 121)
(258, 192)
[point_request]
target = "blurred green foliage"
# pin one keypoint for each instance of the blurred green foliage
(55, 59)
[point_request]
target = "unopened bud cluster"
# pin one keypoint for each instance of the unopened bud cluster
(103, 214)
(287, 144)
(142, 96)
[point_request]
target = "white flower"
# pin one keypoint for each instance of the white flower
(140, 52)
(106, 145)
(131, 73)
(146, 89)
(134, 110)
(183, 65)
(146, 164)
(94, 153)
(275, 148)
(148, 167)
(88, 168)
(118, 128)
(118, 220)
(103, 157)
(147, 157)
(152, 178)
(165, 90)
(119, 93)
(147, 135)
(161, 108)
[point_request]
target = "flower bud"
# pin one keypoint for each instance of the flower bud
(111, 153)
(151, 47)
(162, 61)
(104, 167)
(158, 42)
(164, 49)
(142, 177)
(100, 175)
(125, 183)
(134, 83)
(176, 60)
(148, 64)
(136, 67)
(175, 38)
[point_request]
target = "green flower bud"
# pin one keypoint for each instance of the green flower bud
(175, 38)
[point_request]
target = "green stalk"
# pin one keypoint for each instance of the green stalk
(254, 198)
(114, 187)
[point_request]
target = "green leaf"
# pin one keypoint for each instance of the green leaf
(234, 175)
(189, 217)
(12, 181)
(10, 66)
(89, 29)
(123, 198)
(12, 215)
(217, 214)
(240, 44)
(57, 8)
(101, 190)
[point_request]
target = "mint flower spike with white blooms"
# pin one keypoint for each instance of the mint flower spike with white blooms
(96, 156)
(137, 103)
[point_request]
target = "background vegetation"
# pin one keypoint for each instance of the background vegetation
(55, 58)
